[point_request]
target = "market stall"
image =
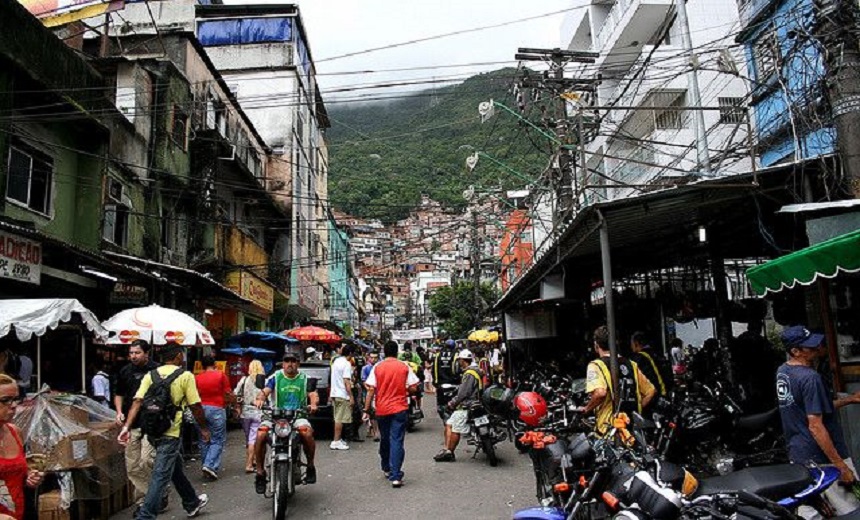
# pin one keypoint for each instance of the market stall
(37, 317)
(268, 347)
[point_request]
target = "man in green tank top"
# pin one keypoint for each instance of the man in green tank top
(289, 390)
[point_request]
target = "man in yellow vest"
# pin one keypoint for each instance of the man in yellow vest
(469, 392)
(650, 363)
(634, 391)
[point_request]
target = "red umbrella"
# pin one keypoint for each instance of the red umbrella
(312, 333)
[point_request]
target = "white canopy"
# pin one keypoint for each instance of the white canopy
(36, 316)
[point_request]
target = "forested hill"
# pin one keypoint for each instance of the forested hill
(384, 154)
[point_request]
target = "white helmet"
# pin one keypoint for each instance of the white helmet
(465, 354)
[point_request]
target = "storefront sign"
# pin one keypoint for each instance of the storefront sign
(412, 334)
(252, 288)
(20, 259)
(124, 293)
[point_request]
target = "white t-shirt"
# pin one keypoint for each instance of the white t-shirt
(341, 369)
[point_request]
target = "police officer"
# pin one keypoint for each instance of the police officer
(634, 390)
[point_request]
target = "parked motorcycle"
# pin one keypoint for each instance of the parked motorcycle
(626, 479)
(283, 460)
(706, 431)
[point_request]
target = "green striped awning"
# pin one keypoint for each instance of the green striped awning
(827, 259)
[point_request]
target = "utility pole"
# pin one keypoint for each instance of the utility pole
(836, 27)
(476, 269)
(702, 156)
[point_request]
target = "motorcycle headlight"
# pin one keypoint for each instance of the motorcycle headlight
(282, 428)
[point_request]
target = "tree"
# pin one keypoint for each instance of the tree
(455, 306)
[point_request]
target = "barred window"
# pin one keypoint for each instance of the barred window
(731, 110)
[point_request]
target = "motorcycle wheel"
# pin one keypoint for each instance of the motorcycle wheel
(490, 450)
(282, 476)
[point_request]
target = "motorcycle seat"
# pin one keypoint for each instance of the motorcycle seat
(757, 422)
(771, 482)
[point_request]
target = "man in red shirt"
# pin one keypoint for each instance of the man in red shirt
(214, 389)
(390, 382)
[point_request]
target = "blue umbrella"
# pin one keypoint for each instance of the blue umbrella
(236, 351)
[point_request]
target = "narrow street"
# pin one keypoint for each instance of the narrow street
(351, 485)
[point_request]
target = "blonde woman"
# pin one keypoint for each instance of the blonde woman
(14, 474)
(247, 390)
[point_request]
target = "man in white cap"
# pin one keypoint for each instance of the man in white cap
(471, 384)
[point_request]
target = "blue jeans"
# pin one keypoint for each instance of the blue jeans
(392, 431)
(210, 452)
(167, 468)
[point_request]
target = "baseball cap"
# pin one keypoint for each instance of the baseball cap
(800, 336)
(464, 354)
(289, 356)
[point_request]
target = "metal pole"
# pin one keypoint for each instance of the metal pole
(610, 307)
(693, 83)
(38, 363)
(83, 363)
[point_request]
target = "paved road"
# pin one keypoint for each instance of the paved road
(351, 485)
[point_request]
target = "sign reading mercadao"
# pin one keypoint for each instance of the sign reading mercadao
(20, 259)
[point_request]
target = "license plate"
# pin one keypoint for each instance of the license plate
(482, 420)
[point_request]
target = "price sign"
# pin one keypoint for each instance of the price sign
(20, 259)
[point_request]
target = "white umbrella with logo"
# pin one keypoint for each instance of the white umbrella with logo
(157, 325)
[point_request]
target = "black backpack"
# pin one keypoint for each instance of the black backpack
(157, 411)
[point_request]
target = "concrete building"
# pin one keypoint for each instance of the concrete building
(642, 64)
(786, 67)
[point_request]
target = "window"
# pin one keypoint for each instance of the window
(670, 119)
(766, 56)
(179, 129)
(117, 211)
(31, 177)
(731, 110)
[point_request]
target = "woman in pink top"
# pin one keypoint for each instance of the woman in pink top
(214, 389)
(13, 465)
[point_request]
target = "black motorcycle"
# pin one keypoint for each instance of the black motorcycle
(283, 460)
(706, 431)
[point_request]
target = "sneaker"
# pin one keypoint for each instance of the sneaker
(445, 456)
(338, 445)
(211, 473)
(396, 483)
(204, 499)
(311, 475)
(260, 484)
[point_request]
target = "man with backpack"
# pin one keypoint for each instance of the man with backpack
(159, 401)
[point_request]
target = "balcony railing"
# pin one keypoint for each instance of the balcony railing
(612, 19)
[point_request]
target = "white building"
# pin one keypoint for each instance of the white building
(653, 148)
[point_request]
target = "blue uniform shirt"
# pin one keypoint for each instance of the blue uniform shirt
(801, 392)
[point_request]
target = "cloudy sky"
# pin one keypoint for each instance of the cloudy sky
(337, 27)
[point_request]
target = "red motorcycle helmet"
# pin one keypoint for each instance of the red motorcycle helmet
(532, 407)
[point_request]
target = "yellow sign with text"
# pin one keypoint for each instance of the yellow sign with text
(253, 288)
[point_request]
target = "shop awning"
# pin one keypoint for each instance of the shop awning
(37, 316)
(827, 259)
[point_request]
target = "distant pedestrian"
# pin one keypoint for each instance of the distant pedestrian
(100, 385)
(390, 383)
(168, 465)
(215, 395)
(445, 381)
(679, 359)
(247, 390)
(341, 396)
(25, 373)
(139, 453)
(372, 427)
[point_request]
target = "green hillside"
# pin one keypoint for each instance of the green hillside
(383, 155)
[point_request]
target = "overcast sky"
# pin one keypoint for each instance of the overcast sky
(337, 27)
